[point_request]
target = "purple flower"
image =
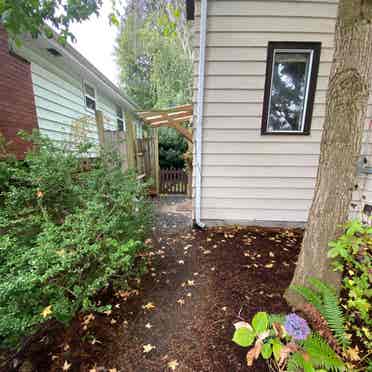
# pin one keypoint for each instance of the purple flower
(296, 326)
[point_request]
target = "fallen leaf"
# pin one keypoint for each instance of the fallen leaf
(242, 324)
(173, 364)
(113, 321)
(148, 326)
(147, 348)
(149, 306)
(66, 366)
(181, 262)
(224, 308)
(269, 266)
(207, 252)
(190, 283)
(181, 301)
(47, 311)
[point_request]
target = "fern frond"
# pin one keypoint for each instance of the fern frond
(335, 318)
(310, 296)
(295, 362)
(322, 355)
(321, 287)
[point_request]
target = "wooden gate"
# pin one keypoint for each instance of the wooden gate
(173, 181)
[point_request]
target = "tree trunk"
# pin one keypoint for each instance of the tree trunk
(346, 108)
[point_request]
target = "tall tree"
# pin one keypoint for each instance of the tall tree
(155, 54)
(346, 108)
(36, 16)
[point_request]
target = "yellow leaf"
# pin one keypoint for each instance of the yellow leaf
(47, 311)
(147, 348)
(190, 283)
(173, 364)
(149, 306)
(181, 301)
(269, 266)
(66, 366)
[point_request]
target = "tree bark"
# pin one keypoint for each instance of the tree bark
(346, 108)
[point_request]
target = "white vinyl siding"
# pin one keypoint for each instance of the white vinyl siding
(60, 98)
(247, 176)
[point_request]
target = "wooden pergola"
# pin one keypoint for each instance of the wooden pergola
(174, 117)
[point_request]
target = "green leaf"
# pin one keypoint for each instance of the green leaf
(244, 337)
(277, 348)
(260, 322)
(266, 351)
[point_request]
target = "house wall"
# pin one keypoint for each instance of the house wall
(17, 106)
(59, 98)
(247, 176)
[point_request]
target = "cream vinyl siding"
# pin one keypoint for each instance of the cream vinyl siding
(247, 176)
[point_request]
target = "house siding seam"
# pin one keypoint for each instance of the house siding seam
(17, 105)
(247, 176)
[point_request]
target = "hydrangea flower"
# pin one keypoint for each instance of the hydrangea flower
(296, 327)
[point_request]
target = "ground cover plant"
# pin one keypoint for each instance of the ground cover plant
(68, 229)
(334, 332)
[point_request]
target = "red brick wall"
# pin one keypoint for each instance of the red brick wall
(17, 104)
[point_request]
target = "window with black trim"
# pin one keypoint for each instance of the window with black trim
(119, 119)
(291, 75)
(90, 97)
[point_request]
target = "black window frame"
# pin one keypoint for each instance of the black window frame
(272, 46)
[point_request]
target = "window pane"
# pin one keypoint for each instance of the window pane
(89, 90)
(288, 91)
(120, 125)
(91, 103)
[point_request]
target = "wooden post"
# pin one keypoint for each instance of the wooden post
(156, 160)
(100, 128)
(131, 141)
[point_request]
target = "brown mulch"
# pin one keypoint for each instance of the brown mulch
(200, 283)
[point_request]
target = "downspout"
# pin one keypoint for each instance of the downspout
(200, 112)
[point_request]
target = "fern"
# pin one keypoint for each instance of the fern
(324, 298)
(322, 287)
(295, 362)
(322, 355)
(333, 314)
(310, 296)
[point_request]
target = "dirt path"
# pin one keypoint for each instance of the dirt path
(198, 284)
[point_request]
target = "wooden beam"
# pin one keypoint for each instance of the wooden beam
(168, 117)
(183, 131)
(165, 123)
(100, 129)
(131, 141)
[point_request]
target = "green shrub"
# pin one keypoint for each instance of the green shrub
(66, 234)
(172, 147)
(352, 257)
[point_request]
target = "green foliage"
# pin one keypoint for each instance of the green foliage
(33, 16)
(244, 337)
(155, 54)
(322, 355)
(65, 235)
(172, 147)
(327, 302)
(352, 257)
(271, 337)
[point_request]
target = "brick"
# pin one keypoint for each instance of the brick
(17, 101)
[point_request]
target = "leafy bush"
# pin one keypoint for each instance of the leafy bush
(65, 234)
(287, 342)
(352, 257)
(172, 147)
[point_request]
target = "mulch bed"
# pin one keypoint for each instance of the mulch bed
(199, 283)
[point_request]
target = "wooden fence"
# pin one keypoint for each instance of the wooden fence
(173, 181)
(135, 153)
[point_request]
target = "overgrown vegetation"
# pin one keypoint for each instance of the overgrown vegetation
(352, 257)
(68, 229)
(336, 333)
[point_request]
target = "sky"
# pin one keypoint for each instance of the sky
(96, 40)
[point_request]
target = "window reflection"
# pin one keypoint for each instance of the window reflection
(289, 90)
